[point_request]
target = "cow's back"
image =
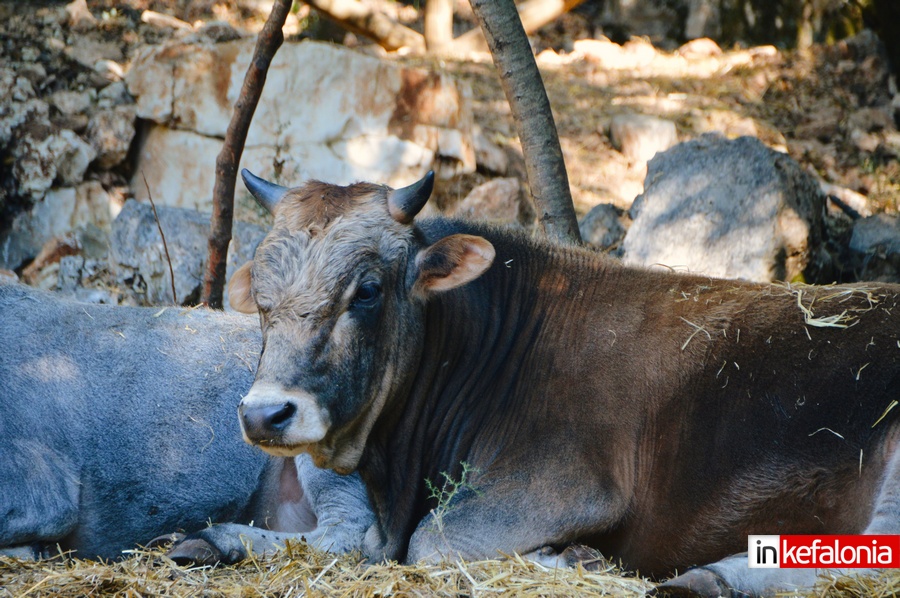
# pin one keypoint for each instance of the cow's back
(129, 413)
(772, 418)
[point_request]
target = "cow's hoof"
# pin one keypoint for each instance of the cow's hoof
(194, 551)
(589, 558)
(210, 546)
(166, 540)
(697, 583)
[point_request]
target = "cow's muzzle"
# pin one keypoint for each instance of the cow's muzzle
(282, 422)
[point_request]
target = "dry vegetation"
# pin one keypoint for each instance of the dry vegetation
(300, 571)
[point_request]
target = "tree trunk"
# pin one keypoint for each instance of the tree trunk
(438, 25)
(534, 15)
(268, 42)
(362, 20)
(530, 107)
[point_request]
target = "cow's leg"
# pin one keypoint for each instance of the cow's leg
(732, 577)
(507, 518)
(39, 492)
(331, 512)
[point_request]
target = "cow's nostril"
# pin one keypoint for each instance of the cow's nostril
(279, 418)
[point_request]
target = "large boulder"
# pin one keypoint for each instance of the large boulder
(138, 261)
(730, 209)
(325, 112)
(59, 211)
(875, 245)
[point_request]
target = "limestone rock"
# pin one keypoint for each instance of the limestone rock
(110, 132)
(42, 156)
(498, 200)
(730, 209)
(75, 157)
(137, 259)
(876, 243)
(602, 226)
(488, 155)
(69, 101)
(58, 212)
(80, 18)
(639, 137)
(326, 112)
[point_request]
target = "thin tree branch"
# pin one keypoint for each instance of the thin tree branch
(364, 20)
(534, 14)
(165, 245)
(268, 42)
(530, 108)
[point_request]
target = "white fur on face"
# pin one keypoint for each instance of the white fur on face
(308, 425)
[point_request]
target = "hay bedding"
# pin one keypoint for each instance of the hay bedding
(302, 571)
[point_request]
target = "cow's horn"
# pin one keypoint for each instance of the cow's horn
(266, 194)
(405, 203)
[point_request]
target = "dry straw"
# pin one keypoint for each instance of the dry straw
(301, 571)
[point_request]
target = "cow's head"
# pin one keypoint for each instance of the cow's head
(340, 284)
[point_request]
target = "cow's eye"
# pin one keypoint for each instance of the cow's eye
(367, 294)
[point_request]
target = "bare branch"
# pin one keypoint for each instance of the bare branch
(363, 20)
(165, 245)
(268, 42)
(534, 15)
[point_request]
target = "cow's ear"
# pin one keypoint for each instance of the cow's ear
(239, 290)
(453, 261)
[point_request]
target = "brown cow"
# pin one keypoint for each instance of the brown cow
(658, 417)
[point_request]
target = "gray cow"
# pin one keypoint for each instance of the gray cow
(118, 425)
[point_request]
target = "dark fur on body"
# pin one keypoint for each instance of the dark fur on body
(660, 417)
(560, 376)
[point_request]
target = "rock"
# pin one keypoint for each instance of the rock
(499, 200)
(876, 241)
(702, 47)
(215, 31)
(609, 55)
(52, 251)
(876, 234)
(23, 90)
(602, 226)
(864, 142)
(488, 155)
(110, 132)
(114, 94)
(162, 21)
(138, 261)
(180, 168)
(60, 211)
(360, 118)
(74, 159)
(109, 70)
(94, 206)
(41, 156)
(872, 119)
(639, 137)
(730, 209)
(80, 18)
(87, 51)
(71, 102)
